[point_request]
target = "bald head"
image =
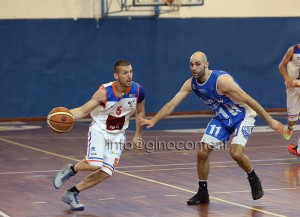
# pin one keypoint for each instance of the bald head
(198, 56)
(199, 66)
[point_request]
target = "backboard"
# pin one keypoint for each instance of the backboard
(164, 2)
(144, 8)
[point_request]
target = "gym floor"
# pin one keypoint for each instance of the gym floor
(156, 183)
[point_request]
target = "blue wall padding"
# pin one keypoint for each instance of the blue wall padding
(49, 63)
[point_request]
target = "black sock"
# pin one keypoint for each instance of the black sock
(74, 189)
(73, 169)
(252, 174)
(290, 127)
(203, 185)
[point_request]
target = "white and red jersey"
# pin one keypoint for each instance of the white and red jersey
(293, 67)
(113, 115)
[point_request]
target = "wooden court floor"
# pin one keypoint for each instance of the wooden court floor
(155, 183)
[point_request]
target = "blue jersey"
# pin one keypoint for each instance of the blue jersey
(225, 108)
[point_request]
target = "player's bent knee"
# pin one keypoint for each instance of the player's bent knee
(202, 154)
(93, 166)
(236, 154)
(106, 175)
(107, 171)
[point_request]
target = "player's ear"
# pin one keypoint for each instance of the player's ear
(206, 64)
(116, 75)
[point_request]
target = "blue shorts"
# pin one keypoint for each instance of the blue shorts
(218, 131)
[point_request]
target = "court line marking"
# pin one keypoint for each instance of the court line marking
(167, 165)
(215, 162)
(109, 198)
(144, 179)
(138, 197)
(2, 214)
(268, 189)
(214, 198)
(187, 168)
(136, 171)
(29, 172)
(41, 202)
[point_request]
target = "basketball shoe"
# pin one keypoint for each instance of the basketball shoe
(63, 175)
(70, 198)
(202, 196)
(293, 150)
(288, 134)
(256, 188)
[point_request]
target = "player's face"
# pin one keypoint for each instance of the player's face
(197, 68)
(124, 76)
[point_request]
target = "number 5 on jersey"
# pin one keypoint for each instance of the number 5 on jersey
(119, 110)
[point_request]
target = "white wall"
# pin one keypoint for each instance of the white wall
(243, 8)
(36, 9)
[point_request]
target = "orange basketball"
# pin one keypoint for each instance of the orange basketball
(60, 120)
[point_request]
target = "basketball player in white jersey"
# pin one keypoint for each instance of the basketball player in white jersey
(235, 116)
(110, 108)
(289, 68)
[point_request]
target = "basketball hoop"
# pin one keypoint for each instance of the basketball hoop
(169, 2)
(174, 5)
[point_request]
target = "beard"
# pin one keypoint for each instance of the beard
(125, 83)
(199, 74)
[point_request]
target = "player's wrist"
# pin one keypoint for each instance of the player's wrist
(154, 120)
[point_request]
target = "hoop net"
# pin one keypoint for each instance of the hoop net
(174, 5)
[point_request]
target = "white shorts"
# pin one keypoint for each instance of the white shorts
(293, 71)
(104, 149)
(293, 103)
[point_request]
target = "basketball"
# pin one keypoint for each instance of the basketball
(60, 120)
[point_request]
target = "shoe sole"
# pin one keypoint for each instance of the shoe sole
(259, 196)
(66, 201)
(190, 203)
(298, 158)
(78, 209)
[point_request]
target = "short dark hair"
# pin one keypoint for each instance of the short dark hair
(120, 63)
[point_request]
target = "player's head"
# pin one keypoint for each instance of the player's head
(123, 73)
(198, 64)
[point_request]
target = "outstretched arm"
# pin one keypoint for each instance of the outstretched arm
(168, 108)
(82, 111)
(137, 139)
(227, 86)
(282, 67)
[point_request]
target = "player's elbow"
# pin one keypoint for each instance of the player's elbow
(140, 113)
(281, 67)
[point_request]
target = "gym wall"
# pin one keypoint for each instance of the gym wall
(47, 62)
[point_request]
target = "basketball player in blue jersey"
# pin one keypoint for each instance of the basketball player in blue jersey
(110, 108)
(289, 68)
(235, 115)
